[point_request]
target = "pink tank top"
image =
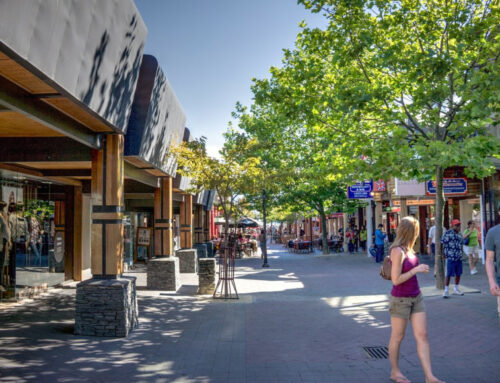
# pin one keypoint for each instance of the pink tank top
(409, 288)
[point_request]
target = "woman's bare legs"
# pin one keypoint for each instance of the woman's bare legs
(398, 328)
(473, 258)
(419, 325)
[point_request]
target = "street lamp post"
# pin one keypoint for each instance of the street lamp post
(264, 248)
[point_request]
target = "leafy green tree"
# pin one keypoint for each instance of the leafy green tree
(409, 87)
(291, 154)
(228, 177)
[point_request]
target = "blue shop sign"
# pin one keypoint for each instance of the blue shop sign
(451, 186)
(361, 190)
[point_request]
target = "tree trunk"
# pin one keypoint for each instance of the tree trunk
(324, 234)
(438, 262)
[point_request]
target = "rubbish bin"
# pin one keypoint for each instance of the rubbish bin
(202, 249)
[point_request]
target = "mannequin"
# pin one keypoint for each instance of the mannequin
(19, 236)
(35, 239)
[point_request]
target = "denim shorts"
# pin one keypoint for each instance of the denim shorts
(453, 268)
(404, 307)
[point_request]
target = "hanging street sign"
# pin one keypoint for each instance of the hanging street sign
(451, 186)
(361, 190)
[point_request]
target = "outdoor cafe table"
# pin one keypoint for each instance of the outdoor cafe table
(302, 246)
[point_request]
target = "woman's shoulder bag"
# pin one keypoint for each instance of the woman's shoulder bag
(385, 269)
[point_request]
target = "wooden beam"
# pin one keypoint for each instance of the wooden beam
(139, 196)
(140, 175)
(19, 100)
(46, 95)
(67, 173)
(21, 169)
(65, 181)
(41, 149)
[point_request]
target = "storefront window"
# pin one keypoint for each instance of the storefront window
(28, 257)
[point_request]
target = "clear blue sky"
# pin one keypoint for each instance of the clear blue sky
(211, 49)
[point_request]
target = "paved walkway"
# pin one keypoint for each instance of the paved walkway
(305, 319)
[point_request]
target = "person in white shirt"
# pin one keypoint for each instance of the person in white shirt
(431, 239)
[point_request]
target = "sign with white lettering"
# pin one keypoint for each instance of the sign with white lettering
(361, 190)
(451, 186)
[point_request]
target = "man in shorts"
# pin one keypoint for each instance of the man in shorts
(492, 246)
(453, 242)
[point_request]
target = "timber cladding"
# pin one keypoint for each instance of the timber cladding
(163, 223)
(107, 211)
(186, 218)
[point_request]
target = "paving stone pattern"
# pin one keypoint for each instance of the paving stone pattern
(206, 275)
(106, 307)
(188, 260)
(303, 319)
(163, 274)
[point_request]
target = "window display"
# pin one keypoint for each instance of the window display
(27, 244)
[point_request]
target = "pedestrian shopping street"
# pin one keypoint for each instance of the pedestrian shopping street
(304, 319)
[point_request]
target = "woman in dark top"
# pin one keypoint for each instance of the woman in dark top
(406, 302)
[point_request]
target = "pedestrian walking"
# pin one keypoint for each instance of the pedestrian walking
(350, 240)
(431, 239)
(452, 242)
(471, 245)
(406, 301)
(363, 236)
(492, 246)
(356, 238)
(379, 243)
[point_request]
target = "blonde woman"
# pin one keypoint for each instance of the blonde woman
(406, 302)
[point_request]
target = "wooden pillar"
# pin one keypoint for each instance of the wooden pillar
(77, 233)
(198, 224)
(69, 232)
(206, 226)
(60, 231)
(163, 221)
(186, 218)
(107, 210)
(404, 208)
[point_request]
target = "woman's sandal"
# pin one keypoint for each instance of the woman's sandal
(400, 379)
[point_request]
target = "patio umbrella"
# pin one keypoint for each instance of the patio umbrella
(247, 222)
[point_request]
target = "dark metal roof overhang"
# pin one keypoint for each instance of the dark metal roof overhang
(82, 61)
(156, 122)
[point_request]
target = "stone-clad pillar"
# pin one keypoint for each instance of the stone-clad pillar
(106, 305)
(198, 224)
(186, 218)
(163, 218)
